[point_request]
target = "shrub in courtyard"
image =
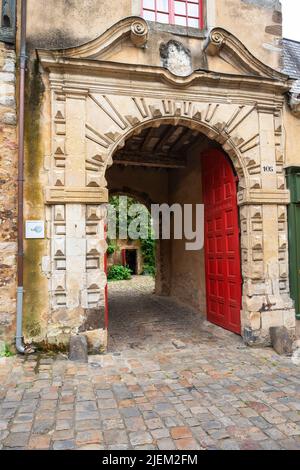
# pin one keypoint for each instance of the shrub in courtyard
(118, 273)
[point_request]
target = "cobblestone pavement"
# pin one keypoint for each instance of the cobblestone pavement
(169, 381)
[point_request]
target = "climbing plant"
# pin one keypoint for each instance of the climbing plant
(112, 247)
(148, 252)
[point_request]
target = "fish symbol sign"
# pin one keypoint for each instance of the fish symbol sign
(35, 229)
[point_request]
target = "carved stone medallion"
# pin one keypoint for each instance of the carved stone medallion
(176, 58)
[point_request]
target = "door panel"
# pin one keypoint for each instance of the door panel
(293, 182)
(222, 244)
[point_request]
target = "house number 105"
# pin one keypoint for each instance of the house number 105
(268, 169)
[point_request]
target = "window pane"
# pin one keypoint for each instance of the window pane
(149, 15)
(193, 10)
(193, 22)
(149, 4)
(162, 18)
(180, 20)
(180, 8)
(163, 5)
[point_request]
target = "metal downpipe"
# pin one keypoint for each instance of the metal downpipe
(21, 348)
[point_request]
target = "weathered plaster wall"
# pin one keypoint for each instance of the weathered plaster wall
(292, 138)
(150, 184)
(8, 185)
(66, 23)
(257, 23)
(36, 131)
(187, 267)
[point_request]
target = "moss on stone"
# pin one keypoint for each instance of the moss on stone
(34, 298)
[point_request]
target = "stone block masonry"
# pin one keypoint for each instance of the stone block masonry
(8, 192)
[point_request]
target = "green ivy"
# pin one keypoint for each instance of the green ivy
(149, 270)
(110, 250)
(148, 251)
(112, 247)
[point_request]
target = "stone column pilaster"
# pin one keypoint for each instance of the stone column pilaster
(266, 300)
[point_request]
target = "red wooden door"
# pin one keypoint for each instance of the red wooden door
(123, 255)
(222, 242)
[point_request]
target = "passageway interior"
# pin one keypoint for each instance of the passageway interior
(143, 321)
(161, 164)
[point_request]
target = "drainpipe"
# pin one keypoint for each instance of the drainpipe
(21, 348)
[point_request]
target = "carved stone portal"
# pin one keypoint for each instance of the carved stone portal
(94, 111)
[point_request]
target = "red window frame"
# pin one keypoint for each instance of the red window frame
(173, 14)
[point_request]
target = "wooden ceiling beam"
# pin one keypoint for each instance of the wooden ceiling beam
(150, 135)
(182, 141)
(149, 159)
(166, 136)
(171, 165)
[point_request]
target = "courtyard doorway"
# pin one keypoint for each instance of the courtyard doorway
(131, 260)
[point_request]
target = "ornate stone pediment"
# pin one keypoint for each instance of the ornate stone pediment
(129, 44)
(228, 47)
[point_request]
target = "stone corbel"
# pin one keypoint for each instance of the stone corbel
(139, 33)
(214, 42)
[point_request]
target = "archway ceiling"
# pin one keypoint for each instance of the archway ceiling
(166, 146)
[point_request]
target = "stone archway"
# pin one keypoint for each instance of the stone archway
(262, 208)
(183, 275)
(95, 109)
(180, 276)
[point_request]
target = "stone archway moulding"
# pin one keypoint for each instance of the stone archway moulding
(97, 105)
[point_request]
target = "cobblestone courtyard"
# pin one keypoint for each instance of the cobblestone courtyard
(169, 381)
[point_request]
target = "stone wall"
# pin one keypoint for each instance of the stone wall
(8, 191)
(188, 267)
(243, 17)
